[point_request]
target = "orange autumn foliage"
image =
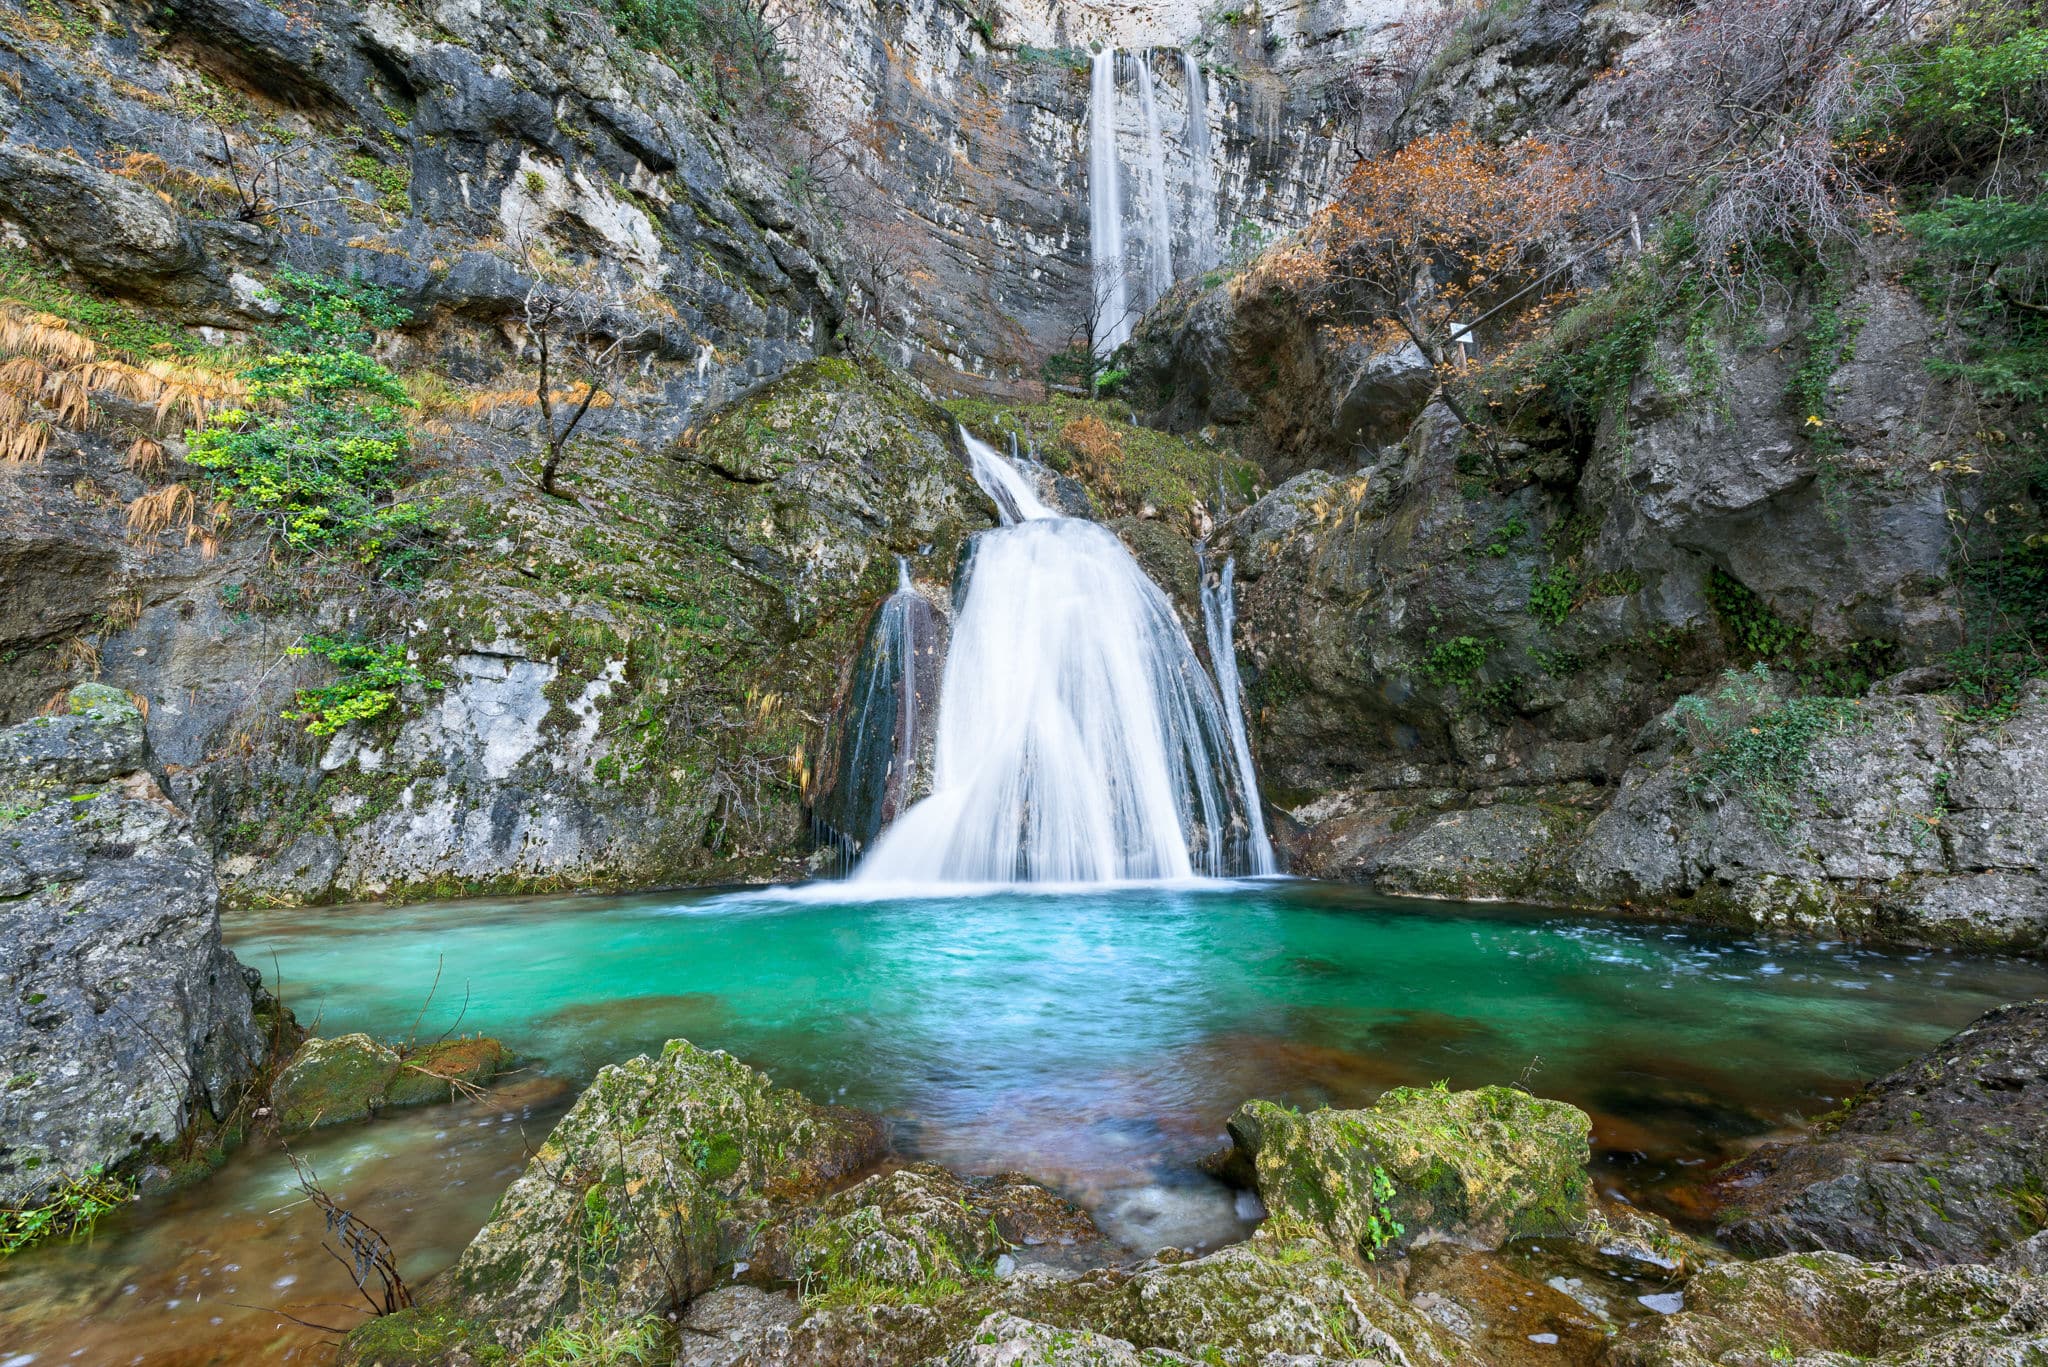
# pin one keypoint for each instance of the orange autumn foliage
(1427, 239)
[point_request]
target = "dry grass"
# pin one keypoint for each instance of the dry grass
(50, 375)
(79, 656)
(122, 613)
(146, 457)
(179, 507)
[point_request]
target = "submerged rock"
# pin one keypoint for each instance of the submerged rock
(1828, 1308)
(1481, 1166)
(353, 1077)
(127, 1019)
(653, 1179)
(1943, 1161)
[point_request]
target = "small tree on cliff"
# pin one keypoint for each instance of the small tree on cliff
(583, 341)
(1440, 243)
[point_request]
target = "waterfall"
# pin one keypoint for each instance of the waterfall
(1205, 250)
(1112, 310)
(1078, 738)
(874, 773)
(1158, 218)
(1219, 623)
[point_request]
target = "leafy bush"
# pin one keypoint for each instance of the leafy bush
(1553, 594)
(372, 676)
(1970, 98)
(318, 456)
(321, 313)
(1746, 744)
(731, 48)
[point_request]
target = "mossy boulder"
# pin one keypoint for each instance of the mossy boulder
(1482, 1167)
(1822, 1309)
(332, 1082)
(656, 1177)
(1004, 1340)
(426, 1336)
(919, 1229)
(353, 1077)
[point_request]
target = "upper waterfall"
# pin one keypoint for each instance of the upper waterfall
(1111, 309)
(1079, 739)
(1158, 218)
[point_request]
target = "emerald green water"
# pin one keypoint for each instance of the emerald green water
(1096, 1040)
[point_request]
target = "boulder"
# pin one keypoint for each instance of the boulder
(111, 231)
(1822, 1309)
(126, 1020)
(1482, 1167)
(920, 1227)
(1004, 1340)
(353, 1077)
(654, 1179)
(1942, 1161)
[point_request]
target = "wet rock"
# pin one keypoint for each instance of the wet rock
(1481, 1166)
(1502, 1317)
(1829, 1308)
(126, 1021)
(907, 1228)
(652, 1181)
(734, 1325)
(353, 1077)
(1007, 1341)
(1943, 1161)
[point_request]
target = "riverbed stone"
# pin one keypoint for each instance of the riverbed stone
(655, 1178)
(1943, 1161)
(1824, 1309)
(353, 1077)
(1480, 1166)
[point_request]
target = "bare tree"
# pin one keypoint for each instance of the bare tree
(583, 340)
(1743, 111)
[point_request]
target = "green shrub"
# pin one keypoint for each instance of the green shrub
(69, 1210)
(317, 455)
(322, 313)
(1552, 594)
(1745, 744)
(371, 678)
(1455, 662)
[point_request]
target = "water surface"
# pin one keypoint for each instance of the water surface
(1095, 1040)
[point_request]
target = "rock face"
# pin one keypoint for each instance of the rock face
(1825, 1308)
(1483, 1167)
(1943, 1161)
(649, 1183)
(126, 1018)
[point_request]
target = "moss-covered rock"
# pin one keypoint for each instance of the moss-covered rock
(1004, 1340)
(918, 1232)
(422, 1337)
(1828, 1308)
(657, 1176)
(353, 1077)
(1481, 1166)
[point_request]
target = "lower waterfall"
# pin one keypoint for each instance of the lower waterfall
(1078, 739)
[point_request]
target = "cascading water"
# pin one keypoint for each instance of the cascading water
(1158, 217)
(1204, 249)
(1079, 739)
(874, 773)
(1112, 312)
(1219, 623)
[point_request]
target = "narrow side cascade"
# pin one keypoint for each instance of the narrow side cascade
(1112, 306)
(1204, 250)
(1219, 623)
(1158, 217)
(1079, 739)
(884, 744)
